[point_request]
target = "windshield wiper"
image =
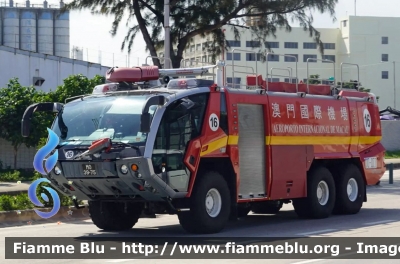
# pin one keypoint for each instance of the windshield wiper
(120, 143)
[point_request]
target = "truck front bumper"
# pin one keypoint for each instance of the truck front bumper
(129, 178)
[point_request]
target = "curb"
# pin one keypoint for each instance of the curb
(23, 217)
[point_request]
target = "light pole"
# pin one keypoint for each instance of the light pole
(355, 7)
(167, 41)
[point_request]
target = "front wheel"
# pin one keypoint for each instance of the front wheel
(112, 216)
(210, 205)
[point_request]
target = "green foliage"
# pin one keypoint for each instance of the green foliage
(190, 18)
(314, 79)
(76, 85)
(392, 154)
(15, 98)
(15, 202)
(10, 176)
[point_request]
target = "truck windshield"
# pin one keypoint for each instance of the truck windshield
(83, 121)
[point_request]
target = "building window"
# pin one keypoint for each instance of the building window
(385, 40)
(235, 84)
(294, 80)
(253, 44)
(272, 45)
(273, 80)
(198, 47)
(329, 45)
(291, 59)
(233, 43)
(291, 45)
(344, 23)
(236, 56)
(204, 59)
(328, 57)
(252, 57)
(385, 57)
(309, 45)
(272, 57)
(192, 48)
(305, 57)
(385, 75)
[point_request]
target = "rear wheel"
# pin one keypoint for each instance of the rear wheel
(209, 205)
(111, 216)
(350, 187)
(321, 196)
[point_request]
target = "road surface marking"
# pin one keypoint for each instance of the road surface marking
(316, 232)
(121, 260)
(379, 222)
(309, 261)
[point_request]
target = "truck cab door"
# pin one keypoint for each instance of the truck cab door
(180, 125)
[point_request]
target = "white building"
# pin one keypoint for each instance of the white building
(369, 42)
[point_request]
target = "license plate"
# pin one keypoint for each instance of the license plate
(89, 169)
(371, 163)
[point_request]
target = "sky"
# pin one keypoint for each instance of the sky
(91, 32)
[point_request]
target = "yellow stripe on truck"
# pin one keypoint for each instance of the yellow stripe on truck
(293, 140)
(313, 140)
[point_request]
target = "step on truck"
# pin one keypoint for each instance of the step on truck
(147, 142)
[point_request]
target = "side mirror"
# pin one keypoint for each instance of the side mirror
(39, 107)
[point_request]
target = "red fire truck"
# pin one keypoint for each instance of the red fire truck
(209, 153)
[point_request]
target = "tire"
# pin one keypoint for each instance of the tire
(349, 176)
(310, 207)
(111, 216)
(198, 220)
(267, 208)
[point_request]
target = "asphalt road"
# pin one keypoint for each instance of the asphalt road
(380, 217)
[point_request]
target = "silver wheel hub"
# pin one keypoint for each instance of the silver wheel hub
(213, 202)
(352, 189)
(323, 193)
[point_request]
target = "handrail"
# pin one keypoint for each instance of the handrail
(233, 67)
(284, 55)
(314, 59)
(341, 72)
(283, 69)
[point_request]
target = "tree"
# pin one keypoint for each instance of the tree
(190, 18)
(14, 99)
(314, 79)
(75, 85)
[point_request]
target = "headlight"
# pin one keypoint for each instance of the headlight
(57, 170)
(124, 169)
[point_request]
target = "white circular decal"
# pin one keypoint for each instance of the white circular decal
(214, 122)
(367, 120)
(69, 154)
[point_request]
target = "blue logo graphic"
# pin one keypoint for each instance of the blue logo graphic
(32, 196)
(49, 165)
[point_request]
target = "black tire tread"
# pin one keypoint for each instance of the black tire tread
(309, 207)
(197, 221)
(111, 216)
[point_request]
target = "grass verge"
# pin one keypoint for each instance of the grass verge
(22, 202)
(392, 154)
